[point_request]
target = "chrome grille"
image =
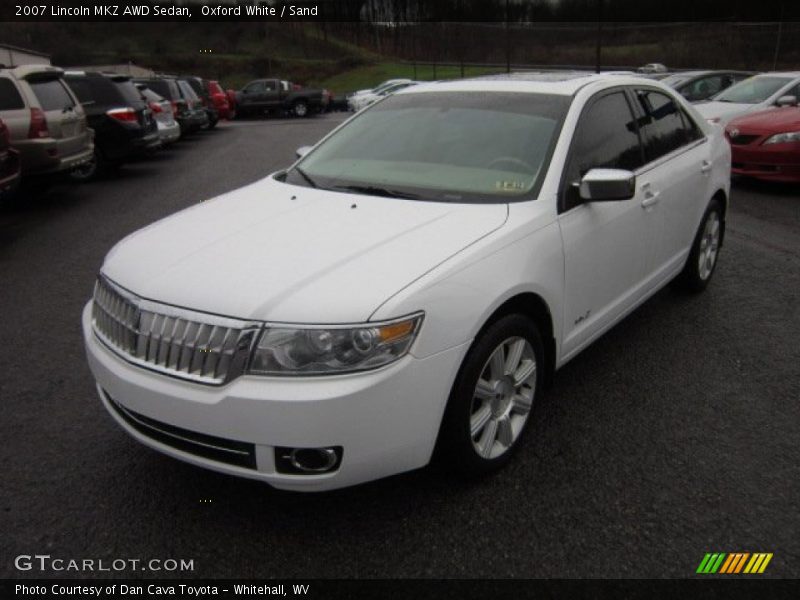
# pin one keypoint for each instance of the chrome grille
(187, 344)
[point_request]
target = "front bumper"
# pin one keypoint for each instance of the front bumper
(386, 420)
(775, 162)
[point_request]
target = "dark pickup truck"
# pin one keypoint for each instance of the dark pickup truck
(264, 95)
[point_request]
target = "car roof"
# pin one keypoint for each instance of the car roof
(564, 83)
(107, 75)
(792, 74)
(703, 73)
(25, 70)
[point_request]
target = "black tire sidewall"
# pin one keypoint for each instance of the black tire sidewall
(454, 446)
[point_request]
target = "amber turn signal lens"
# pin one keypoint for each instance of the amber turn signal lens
(396, 331)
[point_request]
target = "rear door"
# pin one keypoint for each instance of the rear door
(605, 243)
(677, 175)
(253, 94)
(66, 121)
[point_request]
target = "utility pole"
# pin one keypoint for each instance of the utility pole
(599, 44)
(778, 41)
(508, 43)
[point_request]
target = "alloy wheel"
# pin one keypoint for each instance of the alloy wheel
(709, 246)
(503, 398)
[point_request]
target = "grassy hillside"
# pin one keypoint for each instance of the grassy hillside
(368, 76)
(233, 53)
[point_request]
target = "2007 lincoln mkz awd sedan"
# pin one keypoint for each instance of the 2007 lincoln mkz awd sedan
(408, 287)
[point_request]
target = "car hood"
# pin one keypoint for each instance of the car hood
(773, 120)
(276, 252)
(724, 111)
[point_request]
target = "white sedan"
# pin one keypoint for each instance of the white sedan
(754, 94)
(407, 289)
(352, 98)
(362, 101)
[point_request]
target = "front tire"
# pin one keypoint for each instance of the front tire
(300, 108)
(493, 397)
(704, 254)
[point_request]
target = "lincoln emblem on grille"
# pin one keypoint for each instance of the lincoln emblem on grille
(175, 341)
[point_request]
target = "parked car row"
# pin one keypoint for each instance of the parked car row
(44, 122)
(761, 119)
(759, 113)
(79, 123)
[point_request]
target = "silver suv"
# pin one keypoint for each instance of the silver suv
(46, 122)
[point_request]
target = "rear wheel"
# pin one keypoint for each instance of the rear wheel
(492, 399)
(87, 171)
(703, 256)
(300, 108)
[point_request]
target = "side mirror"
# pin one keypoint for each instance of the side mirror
(786, 101)
(604, 185)
(302, 151)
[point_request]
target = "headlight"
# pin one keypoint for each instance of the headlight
(286, 350)
(783, 138)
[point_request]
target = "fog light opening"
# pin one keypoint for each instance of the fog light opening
(308, 461)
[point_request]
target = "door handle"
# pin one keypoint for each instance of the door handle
(705, 167)
(650, 197)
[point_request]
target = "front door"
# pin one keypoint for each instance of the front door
(605, 243)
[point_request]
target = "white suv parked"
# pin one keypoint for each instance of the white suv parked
(409, 286)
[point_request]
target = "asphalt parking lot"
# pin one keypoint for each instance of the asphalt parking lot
(676, 434)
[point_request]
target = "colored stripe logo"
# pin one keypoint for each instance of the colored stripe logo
(734, 563)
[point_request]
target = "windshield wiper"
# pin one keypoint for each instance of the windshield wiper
(305, 176)
(373, 190)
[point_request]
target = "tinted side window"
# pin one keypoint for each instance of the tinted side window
(9, 95)
(693, 132)
(255, 87)
(607, 137)
(704, 87)
(52, 94)
(662, 125)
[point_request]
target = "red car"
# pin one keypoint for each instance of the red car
(220, 100)
(766, 144)
(231, 95)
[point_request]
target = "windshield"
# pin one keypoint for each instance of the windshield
(443, 146)
(675, 80)
(753, 90)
